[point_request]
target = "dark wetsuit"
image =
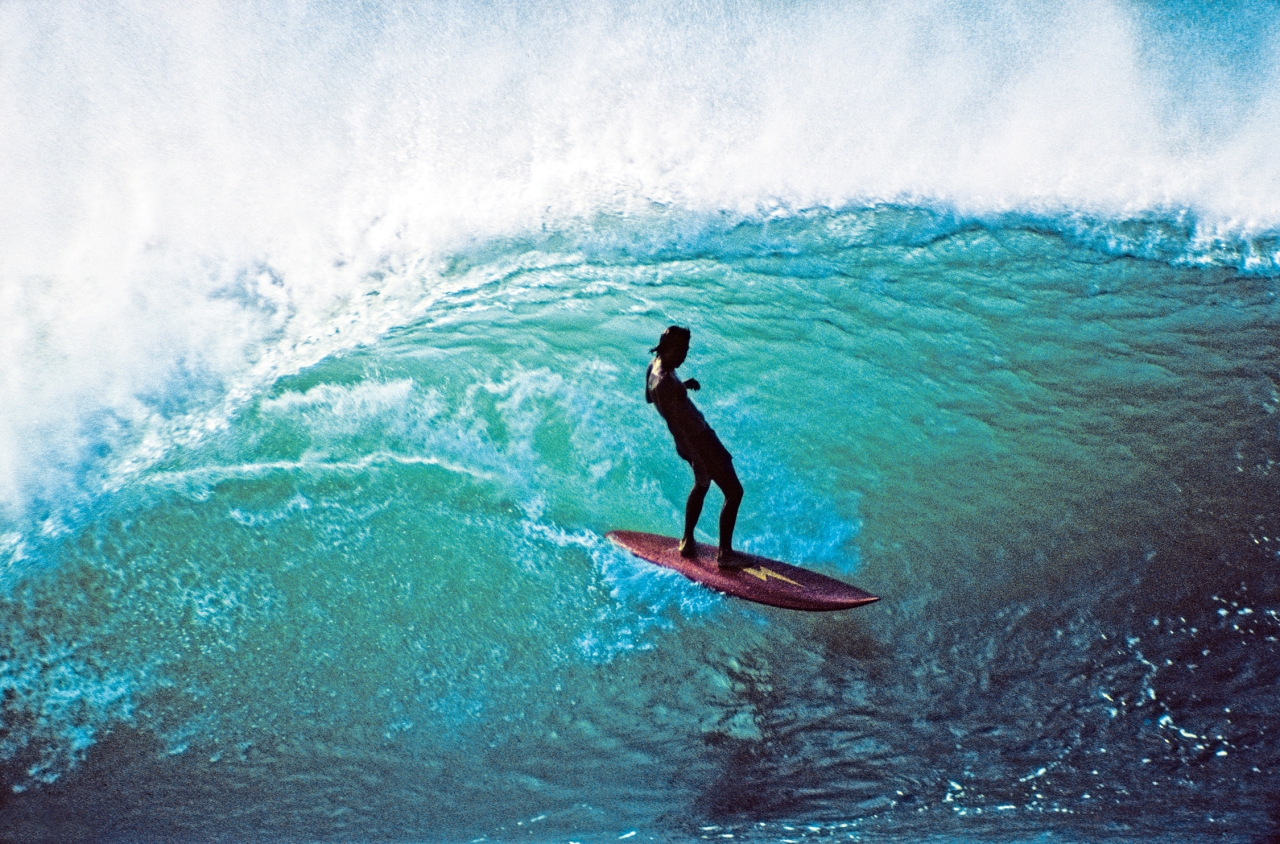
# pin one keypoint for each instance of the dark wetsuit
(695, 441)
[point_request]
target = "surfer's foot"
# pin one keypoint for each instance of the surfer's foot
(727, 558)
(688, 549)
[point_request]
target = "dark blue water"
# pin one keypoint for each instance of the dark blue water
(322, 382)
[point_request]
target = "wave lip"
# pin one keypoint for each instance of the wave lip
(335, 134)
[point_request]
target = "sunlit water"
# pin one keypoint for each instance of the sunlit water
(326, 331)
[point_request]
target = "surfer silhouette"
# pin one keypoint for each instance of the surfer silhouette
(695, 442)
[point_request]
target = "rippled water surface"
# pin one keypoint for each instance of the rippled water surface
(324, 386)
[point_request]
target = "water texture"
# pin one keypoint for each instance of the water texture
(321, 383)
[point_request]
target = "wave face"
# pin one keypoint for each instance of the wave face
(199, 203)
(322, 383)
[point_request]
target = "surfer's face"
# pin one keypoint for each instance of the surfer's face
(675, 356)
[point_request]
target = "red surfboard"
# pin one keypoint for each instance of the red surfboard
(761, 580)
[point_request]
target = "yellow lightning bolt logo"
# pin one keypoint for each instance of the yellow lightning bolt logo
(764, 574)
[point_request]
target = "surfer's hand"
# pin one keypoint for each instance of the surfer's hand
(692, 384)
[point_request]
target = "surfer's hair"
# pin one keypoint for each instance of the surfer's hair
(674, 337)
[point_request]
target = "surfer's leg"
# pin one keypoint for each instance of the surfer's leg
(732, 489)
(692, 512)
(718, 463)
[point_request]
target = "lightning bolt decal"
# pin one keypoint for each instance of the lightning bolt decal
(764, 574)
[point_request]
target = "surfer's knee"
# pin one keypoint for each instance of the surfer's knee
(732, 489)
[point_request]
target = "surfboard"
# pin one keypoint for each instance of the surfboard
(761, 579)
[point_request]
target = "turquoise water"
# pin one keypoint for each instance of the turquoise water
(324, 386)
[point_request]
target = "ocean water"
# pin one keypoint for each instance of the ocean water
(324, 331)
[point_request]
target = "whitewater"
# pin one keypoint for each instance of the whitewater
(323, 329)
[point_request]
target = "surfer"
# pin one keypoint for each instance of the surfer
(695, 442)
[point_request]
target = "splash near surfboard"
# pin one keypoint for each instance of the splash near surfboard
(761, 579)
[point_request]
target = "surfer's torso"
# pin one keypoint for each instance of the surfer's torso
(669, 394)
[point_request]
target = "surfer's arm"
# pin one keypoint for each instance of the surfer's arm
(692, 384)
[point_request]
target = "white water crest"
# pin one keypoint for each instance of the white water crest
(201, 197)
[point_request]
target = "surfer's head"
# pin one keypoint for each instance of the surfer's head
(673, 346)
